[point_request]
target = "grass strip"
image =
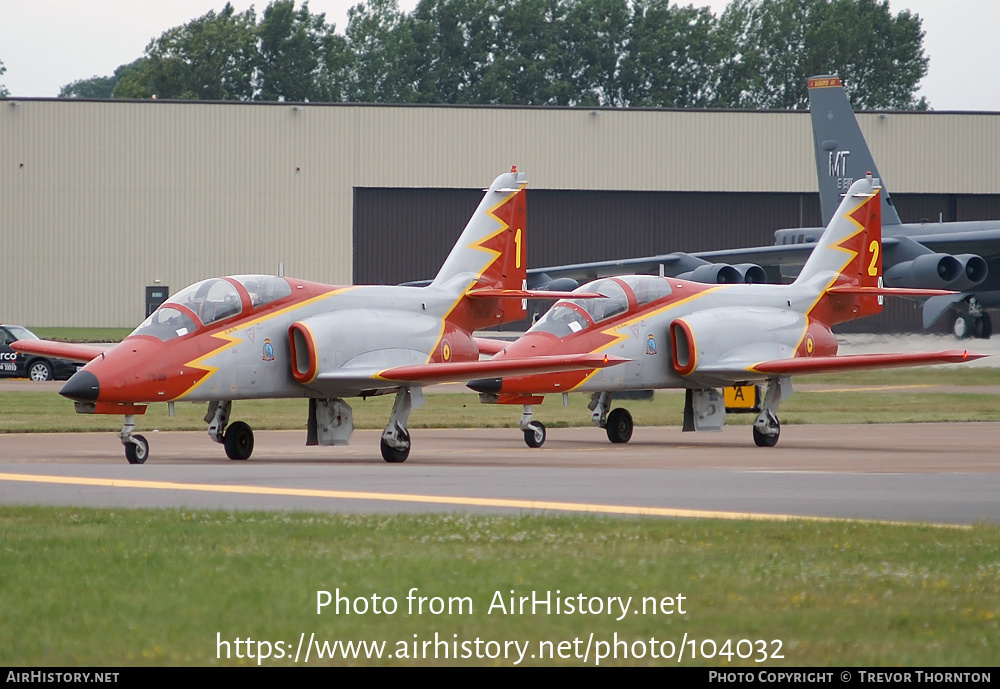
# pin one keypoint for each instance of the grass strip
(119, 587)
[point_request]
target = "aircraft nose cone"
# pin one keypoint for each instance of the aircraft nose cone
(489, 385)
(81, 387)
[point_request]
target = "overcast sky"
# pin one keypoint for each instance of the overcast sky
(46, 44)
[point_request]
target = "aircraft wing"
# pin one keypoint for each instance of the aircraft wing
(985, 241)
(60, 350)
(673, 265)
(469, 370)
(857, 362)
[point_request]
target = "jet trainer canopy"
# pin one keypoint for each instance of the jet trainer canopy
(572, 315)
(210, 301)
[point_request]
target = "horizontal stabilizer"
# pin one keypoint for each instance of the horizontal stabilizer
(855, 362)
(469, 370)
(889, 291)
(529, 294)
(60, 350)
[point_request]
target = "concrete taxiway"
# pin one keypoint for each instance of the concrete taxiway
(929, 473)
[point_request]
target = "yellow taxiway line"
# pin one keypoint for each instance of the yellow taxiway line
(428, 499)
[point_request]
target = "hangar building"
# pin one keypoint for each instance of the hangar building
(101, 199)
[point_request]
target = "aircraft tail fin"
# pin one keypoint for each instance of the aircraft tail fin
(490, 256)
(842, 154)
(846, 265)
(490, 253)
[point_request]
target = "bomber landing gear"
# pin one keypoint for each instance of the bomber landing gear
(395, 443)
(237, 438)
(136, 446)
(534, 431)
(973, 323)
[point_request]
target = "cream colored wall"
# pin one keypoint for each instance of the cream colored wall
(99, 199)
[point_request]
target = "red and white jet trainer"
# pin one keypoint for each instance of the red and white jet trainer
(262, 336)
(700, 337)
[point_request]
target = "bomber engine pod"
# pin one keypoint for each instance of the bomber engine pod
(930, 271)
(714, 274)
(975, 271)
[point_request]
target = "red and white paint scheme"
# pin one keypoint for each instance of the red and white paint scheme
(264, 336)
(675, 333)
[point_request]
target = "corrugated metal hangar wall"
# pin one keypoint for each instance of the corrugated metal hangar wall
(101, 198)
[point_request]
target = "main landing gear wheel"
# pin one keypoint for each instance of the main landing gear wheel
(394, 455)
(762, 440)
(534, 434)
(137, 451)
(619, 426)
(238, 441)
(967, 325)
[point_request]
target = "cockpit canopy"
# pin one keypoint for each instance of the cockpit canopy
(573, 315)
(210, 301)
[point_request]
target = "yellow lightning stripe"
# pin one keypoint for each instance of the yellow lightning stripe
(477, 246)
(229, 340)
(619, 336)
(839, 247)
(440, 500)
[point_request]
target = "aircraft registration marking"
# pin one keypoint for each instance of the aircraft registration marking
(429, 499)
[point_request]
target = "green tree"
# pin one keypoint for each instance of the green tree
(453, 42)
(3, 89)
(210, 58)
(301, 58)
(672, 57)
(778, 44)
(382, 68)
(99, 87)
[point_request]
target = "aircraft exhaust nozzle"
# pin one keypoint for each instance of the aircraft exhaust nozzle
(752, 273)
(929, 271)
(975, 271)
(714, 274)
(82, 386)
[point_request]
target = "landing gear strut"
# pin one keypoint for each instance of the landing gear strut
(136, 446)
(395, 443)
(534, 431)
(766, 427)
(237, 438)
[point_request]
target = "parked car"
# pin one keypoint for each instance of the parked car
(15, 365)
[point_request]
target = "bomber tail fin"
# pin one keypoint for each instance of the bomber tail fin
(842, 154)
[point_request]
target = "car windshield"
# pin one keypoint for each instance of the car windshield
(20, 333)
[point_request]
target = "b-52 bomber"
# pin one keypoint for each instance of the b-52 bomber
(676, 333)
(263, 336)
